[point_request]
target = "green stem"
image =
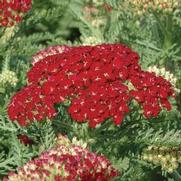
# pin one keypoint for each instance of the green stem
(168, 36)
(6, 62)
(8, 34)
(145, 44)
(165, 30)
(168, 33)
(177, 176)
(162, 27)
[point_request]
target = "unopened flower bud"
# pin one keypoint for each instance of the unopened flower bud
(7, 78)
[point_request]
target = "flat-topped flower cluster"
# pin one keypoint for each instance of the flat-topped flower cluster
(165, 6)
(8, 77)
(66, 164)
(11, 11)
(95, 80)
(166, 75)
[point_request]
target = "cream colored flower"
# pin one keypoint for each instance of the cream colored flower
(162, 156)
(141, 6)
(91, 40)
(80, 143)
(8, 77)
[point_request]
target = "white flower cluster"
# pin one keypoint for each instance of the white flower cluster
(98, 2)
(80, 143)
(167, 158)
(98, 22)
(91, 40)
(8, 77)
(63, 140)
(165, 74)
(141, 6)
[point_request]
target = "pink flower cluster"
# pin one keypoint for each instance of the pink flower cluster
(11, 11)
(52, 50)
(66, 164)
(95, 79)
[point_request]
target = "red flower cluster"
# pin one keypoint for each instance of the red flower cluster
(67, 164)
(95, 79)
(11, 11)
(151, 92)
(28, 104)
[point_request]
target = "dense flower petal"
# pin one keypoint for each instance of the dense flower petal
(100, 81)
(11, 11)
(68, 164)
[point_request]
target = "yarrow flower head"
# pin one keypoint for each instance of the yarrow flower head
(63, 140)
(168, 158)
(91, 40)
(92, 13)
(166, 74)
(94, 79)
(8, 77)
(68, 164)
(142, 6)
(11, 11)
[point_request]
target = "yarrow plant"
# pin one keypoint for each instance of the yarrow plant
(68, 164)
(167, 158)
(63, 140)
(94, 79)
(86, 107)
(91, 40)
(166, 6)
(92, 13)
(11, 11)
(8, 77)
(166, 74)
